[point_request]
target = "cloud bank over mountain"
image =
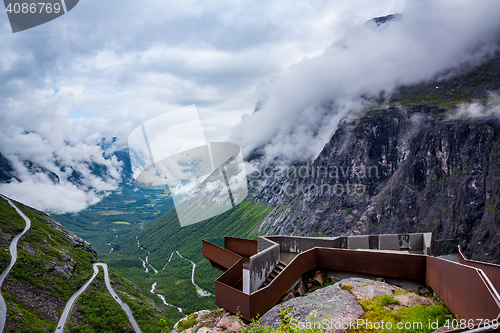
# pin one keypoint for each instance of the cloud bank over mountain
(100, 70)
(57, 175)
(301, 109)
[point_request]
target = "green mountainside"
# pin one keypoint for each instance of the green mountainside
(96, 310)
(163, 237)
(465, 85)
(52, 265)
(160, 240)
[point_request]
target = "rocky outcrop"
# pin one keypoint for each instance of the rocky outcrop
(413, 300)
(209, 321)
(334, 308)
(35, 299)
(330, 303)
(364, 289)
(77, 241)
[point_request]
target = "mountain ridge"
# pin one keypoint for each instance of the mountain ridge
(434, 147)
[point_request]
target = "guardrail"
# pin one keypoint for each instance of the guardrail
(395, 265)
(491, 270)
(300, 244)
(219, 255)
(462, 288)
(264, 299)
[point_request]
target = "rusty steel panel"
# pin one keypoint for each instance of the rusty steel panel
(462, 289)
(432, 274)
(232, 300)
(492, 271)
(243, 247)
(233, 276)
(264, 299)
(219, 255)
(495, 311)
(228, 294)
(217, 266)
(406, 266)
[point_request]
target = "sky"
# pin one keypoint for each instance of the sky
(106, 66)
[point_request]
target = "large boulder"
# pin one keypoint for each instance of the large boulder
(364, 289)
(332, 304)
(210, 321)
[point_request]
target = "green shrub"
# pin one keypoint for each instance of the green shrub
(189, 322)
(386, 300)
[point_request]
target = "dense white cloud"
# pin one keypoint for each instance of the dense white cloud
(107, 65)
(133, 61)
(62, 160)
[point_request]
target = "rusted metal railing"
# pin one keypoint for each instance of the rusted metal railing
(243, 247)
(396, 265)
(221, 256)
(264, 299)
(462, 288)
(491, 270)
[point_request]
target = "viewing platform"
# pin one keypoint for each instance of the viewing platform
(258, 273)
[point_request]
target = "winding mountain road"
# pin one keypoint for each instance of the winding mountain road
(124, 306)
(69, 305)
(200, 291)
(71, 302)
(13, 253)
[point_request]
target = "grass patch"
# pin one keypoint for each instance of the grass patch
(288, 324)
(386, 300)
(148, 317)
(411, 319)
